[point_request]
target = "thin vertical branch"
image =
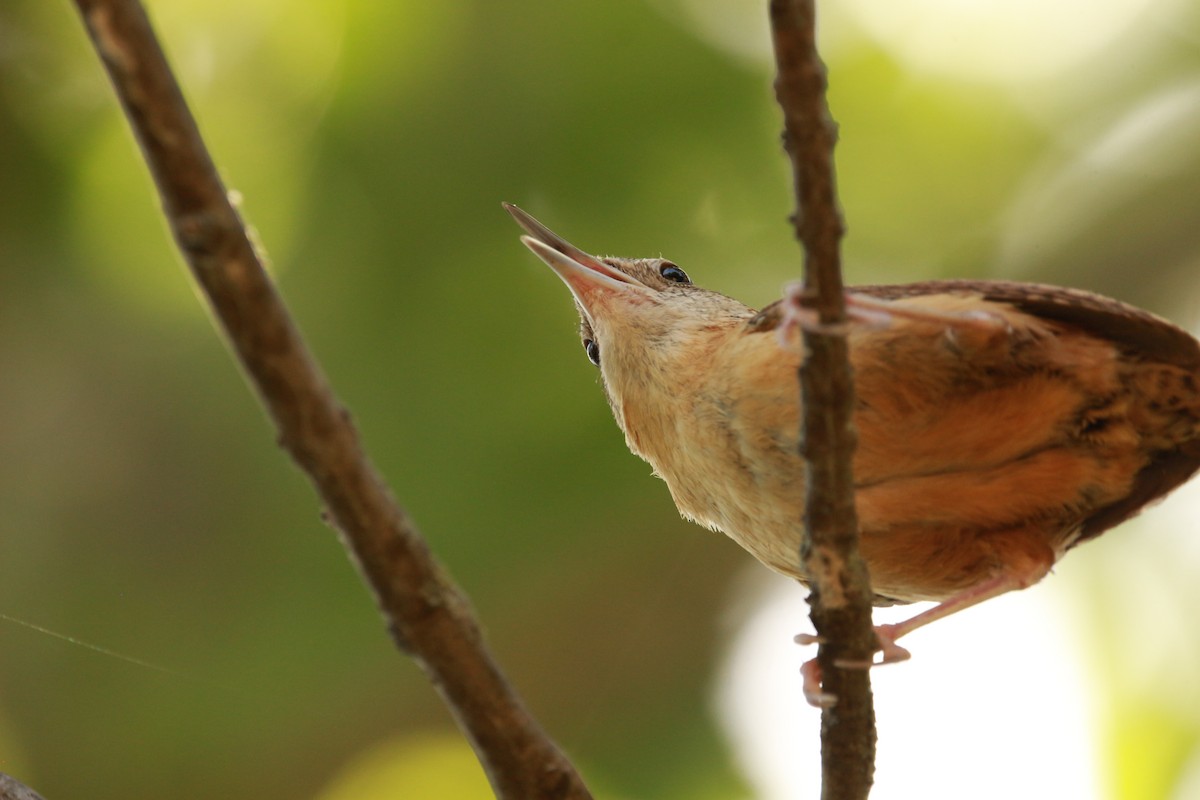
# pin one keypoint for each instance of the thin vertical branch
(428, 616)
(841, 594)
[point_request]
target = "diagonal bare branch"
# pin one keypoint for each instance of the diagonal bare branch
(13, 789)
(428, 616)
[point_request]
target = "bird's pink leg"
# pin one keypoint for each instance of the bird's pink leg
(1001, 583)
(874, 312)
(1006, 581)
(865, 307)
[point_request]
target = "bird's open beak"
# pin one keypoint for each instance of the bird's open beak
(585, 275)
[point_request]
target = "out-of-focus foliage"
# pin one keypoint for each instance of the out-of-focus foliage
(430, 766)
(145, 508)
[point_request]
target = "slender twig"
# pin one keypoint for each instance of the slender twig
(13, 789)
(841, 593)
(426, 613)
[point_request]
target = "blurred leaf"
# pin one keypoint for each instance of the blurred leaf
(429, 767)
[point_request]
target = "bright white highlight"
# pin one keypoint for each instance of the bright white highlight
(1140, 155)
(998, 40)
(1001, 42)
(1000, 691)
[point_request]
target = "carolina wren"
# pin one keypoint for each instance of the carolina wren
(999, 424)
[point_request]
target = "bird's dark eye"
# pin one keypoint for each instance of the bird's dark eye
(593, 351)
(673, 273)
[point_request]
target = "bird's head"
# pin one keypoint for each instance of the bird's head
(641, 320)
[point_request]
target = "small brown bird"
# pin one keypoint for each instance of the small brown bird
(999, 424)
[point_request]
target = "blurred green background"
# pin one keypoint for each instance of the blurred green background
(145, 508)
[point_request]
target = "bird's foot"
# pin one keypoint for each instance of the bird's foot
(892, 653)
(798, 316)
(810, 673)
